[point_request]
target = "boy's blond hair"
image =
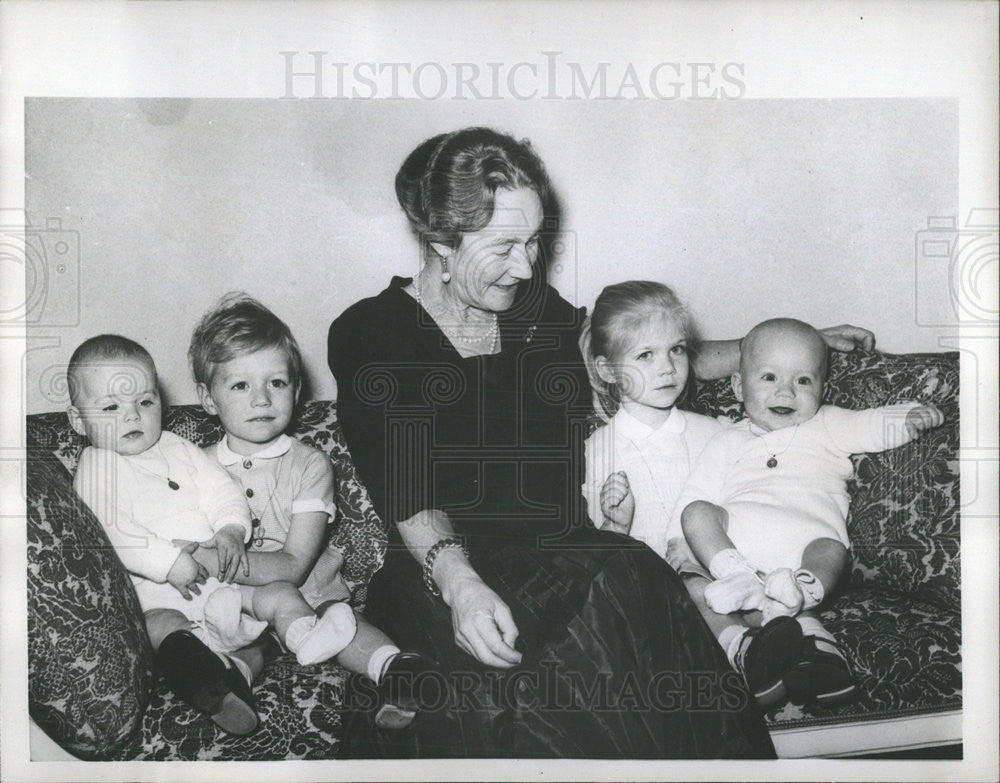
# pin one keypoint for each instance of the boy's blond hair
(239, 324)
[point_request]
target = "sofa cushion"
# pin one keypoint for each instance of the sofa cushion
(903, 521)
(300, 718)
(905, 654)
(88, 655)
(51, 431)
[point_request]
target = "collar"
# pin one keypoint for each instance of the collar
(227, 456)
(774, 436)
(633, 429)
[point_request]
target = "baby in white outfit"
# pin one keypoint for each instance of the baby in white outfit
(765, 507)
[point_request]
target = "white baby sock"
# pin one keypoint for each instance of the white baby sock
(813, 627)
(242, 667)
(812, 589)
(789, 593)
(380, 658)
(314, 639)
(737, 587)
(783, 596)
(729, 640)
(726, 561)
(226, 622)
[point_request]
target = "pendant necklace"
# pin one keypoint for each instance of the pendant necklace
(772, 462)
(170, 482)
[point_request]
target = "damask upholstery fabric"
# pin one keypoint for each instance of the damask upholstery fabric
(88, 654)
(300, 718)
(299, 706)
(898, 615)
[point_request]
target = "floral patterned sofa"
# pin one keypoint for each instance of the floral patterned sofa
(91, 683)
(90, 676)
(899, 613)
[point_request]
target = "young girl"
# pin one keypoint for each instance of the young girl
(640, 341)
(247, 368)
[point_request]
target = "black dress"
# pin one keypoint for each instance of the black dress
(617, 662)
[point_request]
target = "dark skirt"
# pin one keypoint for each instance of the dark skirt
(617, 663)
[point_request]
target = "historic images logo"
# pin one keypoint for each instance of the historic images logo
(319, 75)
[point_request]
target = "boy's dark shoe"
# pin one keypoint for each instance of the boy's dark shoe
(199, 677)
(821, 674)
(766, 654)
(399, 689)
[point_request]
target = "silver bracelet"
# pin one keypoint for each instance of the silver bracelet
(452, 542)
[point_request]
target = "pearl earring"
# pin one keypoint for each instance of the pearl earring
(445, 275)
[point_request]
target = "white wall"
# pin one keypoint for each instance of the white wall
(750, 209)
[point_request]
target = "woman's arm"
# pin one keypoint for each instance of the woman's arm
(716, 359)
(721, 358)
(370, 367)
(483, 624)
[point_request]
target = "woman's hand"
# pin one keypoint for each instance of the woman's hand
(846, 338)
(483, 624)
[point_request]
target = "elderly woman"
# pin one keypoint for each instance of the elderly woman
(464, 400)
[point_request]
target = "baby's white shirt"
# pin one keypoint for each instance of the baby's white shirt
(809, 480)
(142, 515)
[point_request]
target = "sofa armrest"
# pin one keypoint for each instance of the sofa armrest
(89, 659)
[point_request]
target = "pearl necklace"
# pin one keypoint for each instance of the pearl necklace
(491, 335)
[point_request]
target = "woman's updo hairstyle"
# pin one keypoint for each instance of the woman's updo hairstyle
(447, 185)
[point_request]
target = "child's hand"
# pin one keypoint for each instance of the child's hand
(679, 554)
(185, 574)
(228, 541)
(618, 502)
(924, 417)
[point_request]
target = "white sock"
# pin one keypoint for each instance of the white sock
(813, 627)
(315, 639)
(739, 591)
(824, 639)
(812, 589)
(730, 639)
(243, 668)
(728, 561)
(379, 659)
(230, 661)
